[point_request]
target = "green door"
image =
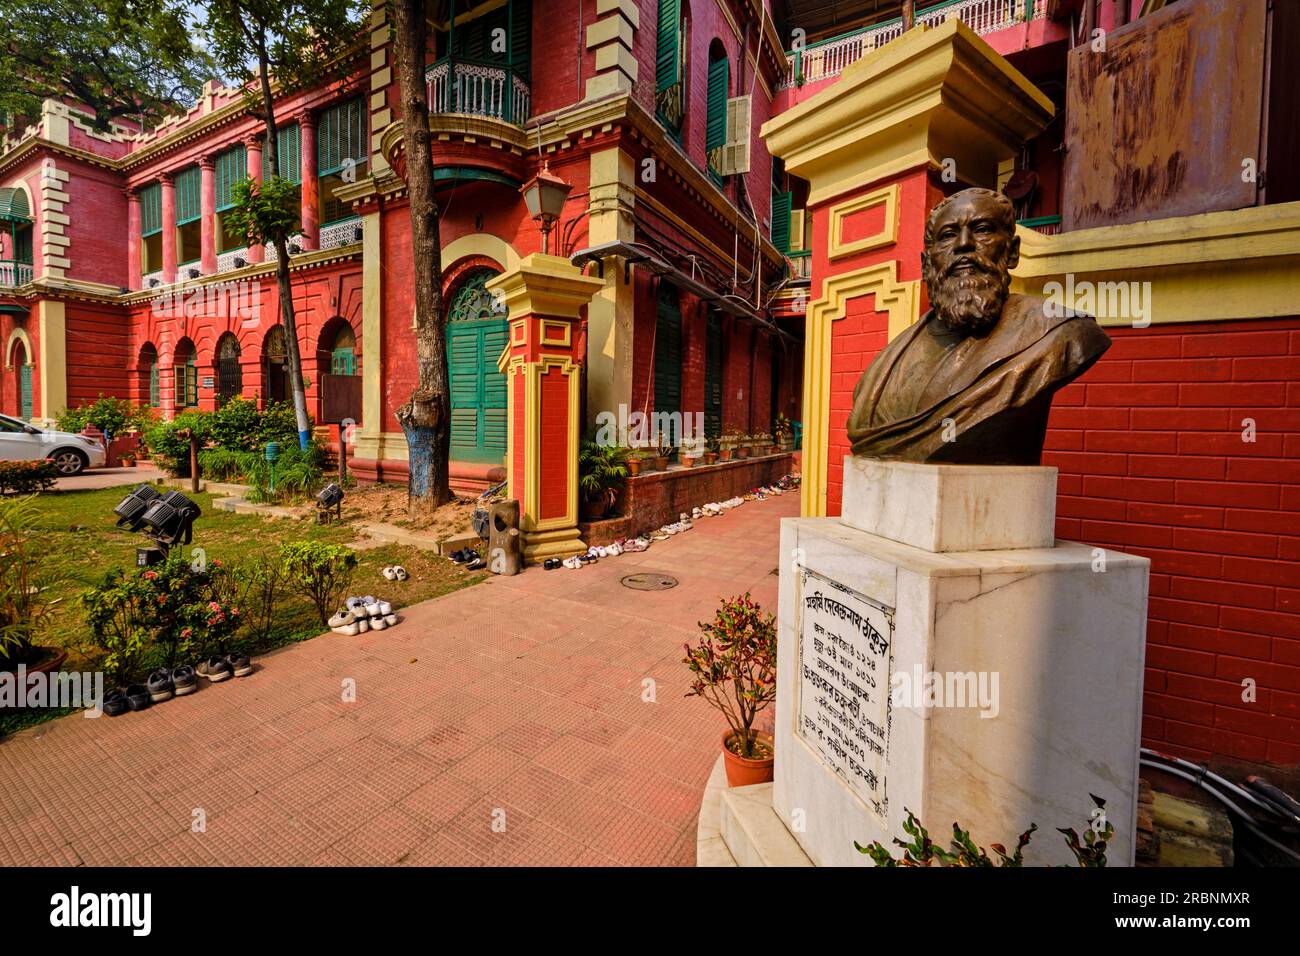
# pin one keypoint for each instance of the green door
(476, 337)
(668, 354)
(25, 390)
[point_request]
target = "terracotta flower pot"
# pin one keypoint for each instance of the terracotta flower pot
(52, 663)
(687, 461)
(742, 451)
(743, 771)
(774, 449)
(710, 457)
(661, 463)
(724, 455)
(634, 467)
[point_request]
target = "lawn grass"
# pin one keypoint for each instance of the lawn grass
(79, 544)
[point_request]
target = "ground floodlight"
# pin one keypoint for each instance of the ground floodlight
(131, 509)
(330, 495)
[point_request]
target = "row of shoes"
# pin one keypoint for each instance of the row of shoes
(164, 684)
(361, 614)
(468, 558)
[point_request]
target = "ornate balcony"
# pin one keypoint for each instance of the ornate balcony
(345, 232)
(831, 57)
(13, 274)
(476, 88)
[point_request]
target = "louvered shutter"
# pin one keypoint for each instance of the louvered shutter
(781, 222)
(232, 166)
(668, 355)
(289, 140)
(715, 135)
(189, 201)
(151, 209)
(667, 48)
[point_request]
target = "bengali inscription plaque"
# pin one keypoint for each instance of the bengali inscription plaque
(845, 654)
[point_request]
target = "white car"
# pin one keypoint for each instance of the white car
(71, 454)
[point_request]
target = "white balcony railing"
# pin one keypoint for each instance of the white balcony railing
(831, 58)
(14, 274)
(342, 233)
(478, 89)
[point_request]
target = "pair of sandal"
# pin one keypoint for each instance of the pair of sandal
(395, 573)
(573, 563)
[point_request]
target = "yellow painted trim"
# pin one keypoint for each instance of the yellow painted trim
(886, 196)
(481, 244)
(564, 336)
(518, 336)
(369, 440)
(16, 336)
(901, 301)
(1236, 264)
(567, 368)
(52, 360)
(544, 285)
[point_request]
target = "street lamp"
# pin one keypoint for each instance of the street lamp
(544, 195)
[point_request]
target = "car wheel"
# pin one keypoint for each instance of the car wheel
(69, 462)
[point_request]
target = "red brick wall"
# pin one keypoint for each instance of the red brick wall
(98, 350)
(1152, 462)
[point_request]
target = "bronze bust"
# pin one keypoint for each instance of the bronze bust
(972, 381)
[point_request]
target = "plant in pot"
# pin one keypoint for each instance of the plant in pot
(662, 454)
(602, 470)
(23, 606)
(727, 446)
(691, 450)
(783, 433)
(734, 669)
(711, 451)
(634, 461)
(743, 447)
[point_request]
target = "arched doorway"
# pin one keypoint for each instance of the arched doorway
(476, 336)
(23, 374)
(230, 374)
(275, 366)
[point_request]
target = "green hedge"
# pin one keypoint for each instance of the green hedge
(239, 429)
(116, 416)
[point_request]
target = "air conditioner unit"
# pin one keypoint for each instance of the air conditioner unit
(735, 151)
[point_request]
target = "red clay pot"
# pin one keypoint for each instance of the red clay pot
(724, 455)
(633, 467)
(743, 772)
(661, 463)
(710, 457)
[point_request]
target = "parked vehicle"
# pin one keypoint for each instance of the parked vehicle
(71, 454)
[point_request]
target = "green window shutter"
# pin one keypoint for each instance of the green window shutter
(189, 199)
(25, 382)
(715, 136)
(232, 166)
(155, 399)
(668, 64)
(521, 37)
(340, 137)
(713, 376)
(781, 222)
(668, 354)
(289, 140)
(343, 362)
(23, 245)
(151, 209)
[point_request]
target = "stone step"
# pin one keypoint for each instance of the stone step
(752, 831)
(240, 506)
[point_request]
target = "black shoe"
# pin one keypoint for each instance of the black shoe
(137, 697)
(184, 680)
(240, 665)
(550, 564)
(463, 556)
(476, 564)
(161, 687)
(215, 669)
(115, 704)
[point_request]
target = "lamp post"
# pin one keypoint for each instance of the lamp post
(544, 195)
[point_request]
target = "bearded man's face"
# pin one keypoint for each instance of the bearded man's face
(967, 264)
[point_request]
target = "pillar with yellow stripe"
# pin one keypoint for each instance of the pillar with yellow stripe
(544, 296)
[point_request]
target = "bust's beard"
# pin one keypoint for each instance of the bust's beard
(970, 303)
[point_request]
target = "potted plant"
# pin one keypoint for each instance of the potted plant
(633, 463)
(711, 451)
(742, 446)
(662, 454)
(734, 669)
(726, 447)
(783, 432)
(127, 460)
(602, 469)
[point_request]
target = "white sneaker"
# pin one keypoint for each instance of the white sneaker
(385, 609)
(391, 619)
(378, 624)
(614, 550)
(363, 625)
(390, 574)
(399, 573)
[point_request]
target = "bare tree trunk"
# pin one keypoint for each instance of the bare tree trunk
(909, 14)
(426, 417)
(287, 317)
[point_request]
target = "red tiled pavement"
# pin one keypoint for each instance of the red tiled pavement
(500, 725)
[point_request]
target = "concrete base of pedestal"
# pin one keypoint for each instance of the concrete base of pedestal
(561, 543)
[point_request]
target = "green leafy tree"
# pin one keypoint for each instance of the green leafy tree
(82, 51)
(275, 47)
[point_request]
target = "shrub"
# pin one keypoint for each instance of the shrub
(238, 428)
(22, 606)
(27, 477)
(258, 584)
(602, 471)
(117, 614)
(735, 666)
(172, 452)
(237, 425)
(114, 416)
(322, 572)
(297, 472)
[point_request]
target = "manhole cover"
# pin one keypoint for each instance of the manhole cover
(650, 581)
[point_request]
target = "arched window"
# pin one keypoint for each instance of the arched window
(275, 366)
(476, 336)
(147, 368)
(185, 371)
(230, 373)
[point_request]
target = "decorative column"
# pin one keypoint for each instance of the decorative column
(926, 115)
(133, 240)
(253, 153)
(310, 188)
(168, 227)
(207, 225)
(544, 295)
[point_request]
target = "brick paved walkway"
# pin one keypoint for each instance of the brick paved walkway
(518, 701)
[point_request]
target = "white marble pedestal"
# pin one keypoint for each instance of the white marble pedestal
(1032, 657)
